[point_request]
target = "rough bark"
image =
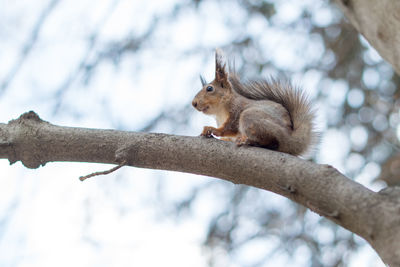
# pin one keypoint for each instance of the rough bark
(373, 216)
(379, 23)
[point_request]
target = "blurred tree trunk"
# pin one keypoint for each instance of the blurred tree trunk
(321, 188)
(379, 23)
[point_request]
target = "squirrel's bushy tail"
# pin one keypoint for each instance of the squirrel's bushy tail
(294, 100)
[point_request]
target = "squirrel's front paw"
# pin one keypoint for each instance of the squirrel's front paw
(207, 132)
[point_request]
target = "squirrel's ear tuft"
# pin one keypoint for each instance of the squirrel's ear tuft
(221, 75)
(203, 81)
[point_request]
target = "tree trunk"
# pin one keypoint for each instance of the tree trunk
(379, 22)
(373, 216)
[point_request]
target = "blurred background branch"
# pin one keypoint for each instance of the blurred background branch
(27, 47)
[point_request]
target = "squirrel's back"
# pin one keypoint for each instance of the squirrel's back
(295, 101)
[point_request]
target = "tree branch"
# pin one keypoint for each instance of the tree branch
(373, 216)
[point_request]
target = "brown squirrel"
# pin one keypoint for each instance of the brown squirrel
(264, 113)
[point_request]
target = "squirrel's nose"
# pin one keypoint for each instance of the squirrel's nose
(194, 103)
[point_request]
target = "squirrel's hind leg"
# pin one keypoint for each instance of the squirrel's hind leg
(257, 128)
(242, 140)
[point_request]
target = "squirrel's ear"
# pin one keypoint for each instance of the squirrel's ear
(221, 75)
(203, 81)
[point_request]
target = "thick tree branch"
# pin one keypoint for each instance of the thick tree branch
(318, 187)
(378, 22)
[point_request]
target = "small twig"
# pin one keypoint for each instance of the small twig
(83, 178)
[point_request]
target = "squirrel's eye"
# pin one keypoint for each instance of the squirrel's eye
(209, 89)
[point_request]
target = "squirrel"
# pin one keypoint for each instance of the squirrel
(264, 113)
